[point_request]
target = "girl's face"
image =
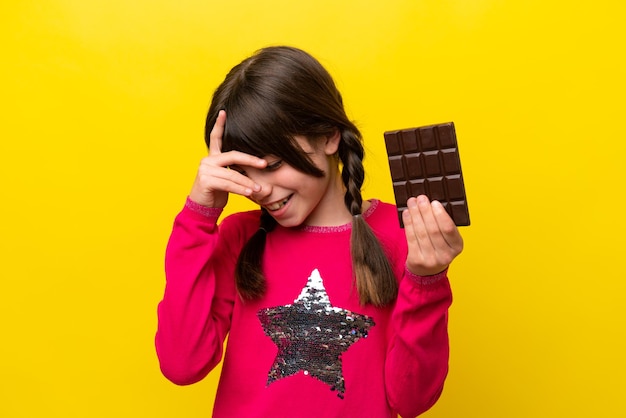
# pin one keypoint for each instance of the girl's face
(294, 198)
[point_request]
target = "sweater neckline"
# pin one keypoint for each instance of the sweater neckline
(340, 228)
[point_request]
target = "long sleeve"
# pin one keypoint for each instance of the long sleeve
(195, 312)
(417, 359)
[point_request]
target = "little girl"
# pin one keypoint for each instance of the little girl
(330, 308)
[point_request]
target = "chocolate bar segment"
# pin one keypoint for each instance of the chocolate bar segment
(426, 160)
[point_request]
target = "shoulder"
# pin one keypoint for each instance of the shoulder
(382, 215)
(240, 225)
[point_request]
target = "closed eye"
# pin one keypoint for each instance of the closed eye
(274, 166)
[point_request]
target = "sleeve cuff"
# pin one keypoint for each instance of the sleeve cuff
(211, 213)
(426, 280)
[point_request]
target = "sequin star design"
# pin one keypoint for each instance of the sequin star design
(312, 335)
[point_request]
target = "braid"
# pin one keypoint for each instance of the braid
(248, 272)
(351, 154)
(375, 280)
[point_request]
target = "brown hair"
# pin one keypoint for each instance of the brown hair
(270, 97)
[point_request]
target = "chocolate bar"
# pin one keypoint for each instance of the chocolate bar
(425, 160)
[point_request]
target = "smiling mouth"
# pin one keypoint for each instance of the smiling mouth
(277, 205)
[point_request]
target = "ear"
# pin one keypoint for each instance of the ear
(331, 144)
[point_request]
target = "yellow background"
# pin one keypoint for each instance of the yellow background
(103, 105)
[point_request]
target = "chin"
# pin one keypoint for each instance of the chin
(289, 224)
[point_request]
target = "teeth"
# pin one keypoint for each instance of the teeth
(278, 205)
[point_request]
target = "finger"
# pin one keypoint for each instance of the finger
(215, 137)
(417, 228)
(449, 230)
(408, 228)
(216, 178)
(238, 158)
(435, 235)
(421, 252)
(217, 166)
(234, 184)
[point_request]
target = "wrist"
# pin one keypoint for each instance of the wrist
(196, 196)
(424, 271)
(428, 279)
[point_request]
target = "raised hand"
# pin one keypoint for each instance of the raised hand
(215, 180)
(433, 238)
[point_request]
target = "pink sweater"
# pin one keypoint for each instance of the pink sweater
(308, 348)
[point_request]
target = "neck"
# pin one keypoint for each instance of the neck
(332, 210)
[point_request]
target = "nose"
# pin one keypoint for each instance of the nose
(266, 188)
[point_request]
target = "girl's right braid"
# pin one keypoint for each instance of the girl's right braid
(249, 275)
